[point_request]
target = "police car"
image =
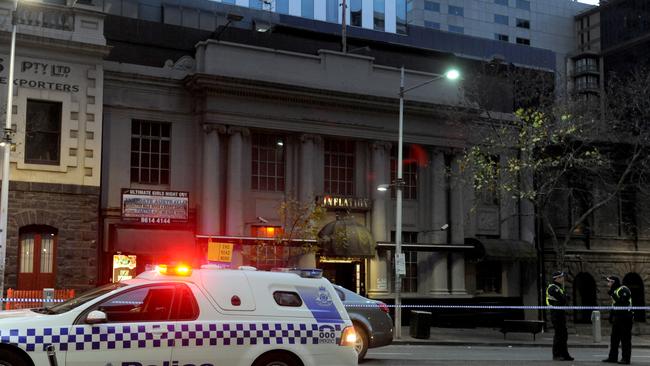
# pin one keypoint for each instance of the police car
(176, 316)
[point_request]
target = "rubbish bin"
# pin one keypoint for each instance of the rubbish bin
(420, 326)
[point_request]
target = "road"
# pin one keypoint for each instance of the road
(489, 356)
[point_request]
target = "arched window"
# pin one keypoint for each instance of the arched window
(584, 293)
(635, 283)
(37, 257)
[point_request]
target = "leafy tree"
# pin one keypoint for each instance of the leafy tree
(567, 158)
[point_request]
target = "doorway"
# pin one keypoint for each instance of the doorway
(345, 273)
(634, 282)
(36, 257)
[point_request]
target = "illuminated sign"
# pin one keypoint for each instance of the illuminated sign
(352, 203)
(123, 267)
(220, 252)
(155, 207)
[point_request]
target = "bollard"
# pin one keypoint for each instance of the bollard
(595, 326)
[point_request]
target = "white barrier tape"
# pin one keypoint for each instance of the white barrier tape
(499, 307)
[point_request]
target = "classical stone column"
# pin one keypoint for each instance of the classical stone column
(440, 285)
(235, 185)
(306, 181)
(377, 270)
(210, 194)
(457, 227)
(235, 188)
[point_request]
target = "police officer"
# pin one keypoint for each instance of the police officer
(555, 296)
(621, 320)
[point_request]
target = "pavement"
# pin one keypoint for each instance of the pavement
(578, 338)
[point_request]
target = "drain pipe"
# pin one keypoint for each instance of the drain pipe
(51, 355)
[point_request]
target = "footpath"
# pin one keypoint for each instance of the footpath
(578, 338)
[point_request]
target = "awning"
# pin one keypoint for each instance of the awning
(425, 247)
(344, 237)
(504, 250)
(254, 240)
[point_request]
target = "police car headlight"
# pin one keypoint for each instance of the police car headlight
(349, 337)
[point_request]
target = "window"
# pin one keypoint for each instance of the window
(228, 1)
(268, 163)
(456, 10)
(355, 13)
(256, 4)
(410, 279)
(286, 298)
(339, 167)
(282, 6)
(409, 172)
(524, 41)
(332, 11)
(432, 6)
(150, 152)
(400, 14)
(456, 29)
(432, 25)
(523, 23)
(501, 37)
(36, 257)
(501, 19)
(627, 211)
(587, 82)
(586, 64)
(307, 9)
(523, 4)
(151, 303)
(43, 132)
(501, 2)
(489, 193)
(379, 14)
(488, 277)
(266, 255)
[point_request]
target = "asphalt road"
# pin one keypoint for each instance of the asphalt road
(489, 356)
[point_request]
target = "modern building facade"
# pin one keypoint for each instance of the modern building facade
(57, 132)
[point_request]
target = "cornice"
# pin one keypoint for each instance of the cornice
(53, 44)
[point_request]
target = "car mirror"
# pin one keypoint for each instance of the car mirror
(96, 317)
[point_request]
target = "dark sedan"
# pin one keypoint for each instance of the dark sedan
(370, 318)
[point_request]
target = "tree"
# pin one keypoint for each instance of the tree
(299, 224)
(568, 159)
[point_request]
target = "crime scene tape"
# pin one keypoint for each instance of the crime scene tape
(503, 307)
(8, 299)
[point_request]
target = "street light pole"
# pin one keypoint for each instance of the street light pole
(398, 212)
(399, 186)
(6, 145)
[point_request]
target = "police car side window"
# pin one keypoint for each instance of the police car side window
(286, 298)
(151, 303)
(340, 293)
(185, 306)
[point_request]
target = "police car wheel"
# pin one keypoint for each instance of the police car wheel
(361, 345)
(277, 359)
(8, 358)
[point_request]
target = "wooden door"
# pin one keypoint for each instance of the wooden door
(36, 258)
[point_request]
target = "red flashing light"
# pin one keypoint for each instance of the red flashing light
(383, 307)
(179, 270)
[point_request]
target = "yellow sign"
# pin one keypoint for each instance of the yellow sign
(219, 252)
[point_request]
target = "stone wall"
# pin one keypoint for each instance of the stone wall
(71, 209)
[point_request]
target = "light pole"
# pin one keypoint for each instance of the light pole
(5, 143)
(399, 185)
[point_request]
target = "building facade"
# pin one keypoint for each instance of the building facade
(56, 156)
(611, 40)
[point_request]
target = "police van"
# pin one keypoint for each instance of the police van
(176, 316)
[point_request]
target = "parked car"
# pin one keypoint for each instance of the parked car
(371, 320)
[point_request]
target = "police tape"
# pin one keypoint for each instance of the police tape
(9, 299)
(502, 307)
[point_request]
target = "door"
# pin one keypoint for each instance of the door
(36, 258)
(136, 332)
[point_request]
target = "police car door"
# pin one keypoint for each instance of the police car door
(135, 331)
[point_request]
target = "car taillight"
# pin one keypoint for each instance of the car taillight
(349, 337)
(383, 307)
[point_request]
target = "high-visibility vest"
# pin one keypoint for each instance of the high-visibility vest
(617, 295)
(548, 295)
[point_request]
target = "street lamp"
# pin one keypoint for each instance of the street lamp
(5, 143)
(399, 186)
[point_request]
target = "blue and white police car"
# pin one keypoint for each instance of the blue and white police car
(176, 316)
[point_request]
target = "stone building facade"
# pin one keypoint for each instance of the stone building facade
(56, 157)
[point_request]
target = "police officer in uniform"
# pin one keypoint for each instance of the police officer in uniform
(621, 320)
(555, 296)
